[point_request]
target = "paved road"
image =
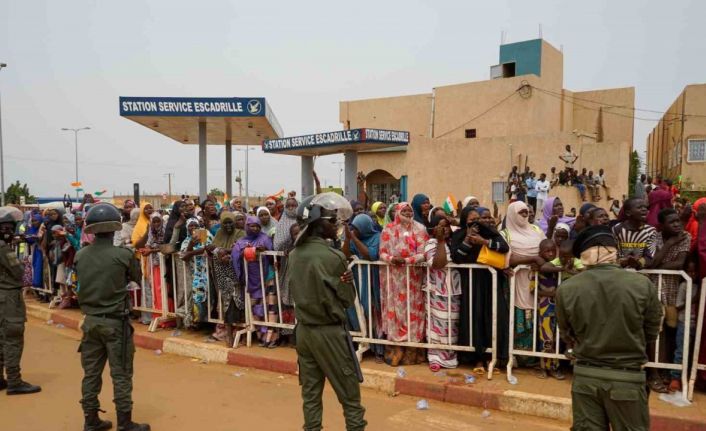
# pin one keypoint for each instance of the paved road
(175, 393)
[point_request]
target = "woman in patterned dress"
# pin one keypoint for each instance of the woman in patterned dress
(402, 244)
(192, 250)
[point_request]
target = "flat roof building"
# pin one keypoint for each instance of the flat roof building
(465, 138)
(676, 147)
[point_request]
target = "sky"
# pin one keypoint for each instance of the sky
(69, 61)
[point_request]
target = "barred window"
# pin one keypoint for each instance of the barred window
(697, 150)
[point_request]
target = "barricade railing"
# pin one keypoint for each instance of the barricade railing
(697, 366)
(365, 340)
(144, 296)
(557, 354)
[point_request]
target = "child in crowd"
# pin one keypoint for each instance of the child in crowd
(690, 268)
(552, 273)
(615, 208)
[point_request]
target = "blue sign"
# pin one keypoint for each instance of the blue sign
(340, 137)
(193, 106)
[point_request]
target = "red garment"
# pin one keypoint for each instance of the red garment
(692, 226)
(658, 200)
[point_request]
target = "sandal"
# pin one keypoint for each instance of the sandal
(657, 385)
(434, 368)
(541, 374)
(479, 371)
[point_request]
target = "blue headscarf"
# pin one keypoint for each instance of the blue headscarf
(417, 202)
(367, 234)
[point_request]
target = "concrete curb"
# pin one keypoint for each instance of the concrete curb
(511, 401)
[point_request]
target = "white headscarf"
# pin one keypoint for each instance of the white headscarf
(467, 199)
(524, 239)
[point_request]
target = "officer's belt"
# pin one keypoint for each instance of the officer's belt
(114, 316)
(606, 373)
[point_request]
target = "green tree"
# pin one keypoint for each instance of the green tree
(634, 171)
(216, 192)
(13, 193)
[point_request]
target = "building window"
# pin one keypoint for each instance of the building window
(697, 150)
(499, 191)
(508, 70)
(470, 133)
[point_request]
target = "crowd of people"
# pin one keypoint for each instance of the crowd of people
(219, 243)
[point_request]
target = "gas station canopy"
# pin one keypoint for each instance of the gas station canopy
(342, 141)
(206, 121)
(238, 120)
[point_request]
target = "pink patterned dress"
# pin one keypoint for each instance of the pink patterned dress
(404, 240)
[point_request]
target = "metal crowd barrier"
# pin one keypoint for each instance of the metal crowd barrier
(370, 339)
(696, 366)
(143, 298)
(683, 367)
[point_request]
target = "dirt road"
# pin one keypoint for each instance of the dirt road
(175, 393)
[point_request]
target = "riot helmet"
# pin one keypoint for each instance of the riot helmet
(103, 217)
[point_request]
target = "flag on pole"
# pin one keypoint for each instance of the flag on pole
(79, 189)
(99, 192)
(449, 204)
(76, 184)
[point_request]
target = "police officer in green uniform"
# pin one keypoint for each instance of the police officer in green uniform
(322, 288)
(103, 272)
(12, 308)
(607, 316)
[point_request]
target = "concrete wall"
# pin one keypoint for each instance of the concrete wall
(410, 113)
(667, 144)
(441, 166)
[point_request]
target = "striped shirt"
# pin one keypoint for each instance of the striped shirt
(639, 243)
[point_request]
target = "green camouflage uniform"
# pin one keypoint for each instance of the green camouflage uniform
(322, 347)
(103, 273)
(611, 314)
(12, 314)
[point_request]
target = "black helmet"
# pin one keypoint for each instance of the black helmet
(10, 215)
(103, 217)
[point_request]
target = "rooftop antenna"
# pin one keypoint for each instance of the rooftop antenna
(502, 37)
(540, 30)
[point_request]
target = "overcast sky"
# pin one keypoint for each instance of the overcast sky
(69, 61)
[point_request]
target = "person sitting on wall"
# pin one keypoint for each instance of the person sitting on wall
(600, 182)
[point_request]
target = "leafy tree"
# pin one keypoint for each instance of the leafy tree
(634, 171)
(216, 192)
(13, 193)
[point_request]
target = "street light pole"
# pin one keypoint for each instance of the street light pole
(247, 189)
(2, 159)
(76, 149)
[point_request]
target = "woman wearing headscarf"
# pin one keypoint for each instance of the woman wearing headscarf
(421, 206)
(232, 299)
(139, 233)
(123, 238)
(659, 199)
(524, 239)
(471, 201)
(692, 223)
(259, 241)
(192, 252)
(554, 208)
(477, 231)
(378, 211)
(284, 242)
(268, 224)
(401, 244)
(390, 214)
(211, 221)
(444, 288)
(52, 219)
(272, 208)
(153, 273)
(32, 238)
(174, 216)
(361, 239)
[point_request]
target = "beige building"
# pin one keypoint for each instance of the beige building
(464, 138)
(676, 147)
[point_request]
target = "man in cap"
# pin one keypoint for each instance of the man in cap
(104, 272)
(322, 287)
(12, 308)
(607, 316)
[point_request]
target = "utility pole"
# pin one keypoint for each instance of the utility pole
(340, 171)
(2, 160)
(169, 176)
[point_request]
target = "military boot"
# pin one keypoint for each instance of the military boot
(125, 423)
(91, 422)
(23, 388)
(3, 384)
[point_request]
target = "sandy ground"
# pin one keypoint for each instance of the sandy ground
(174, 393)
